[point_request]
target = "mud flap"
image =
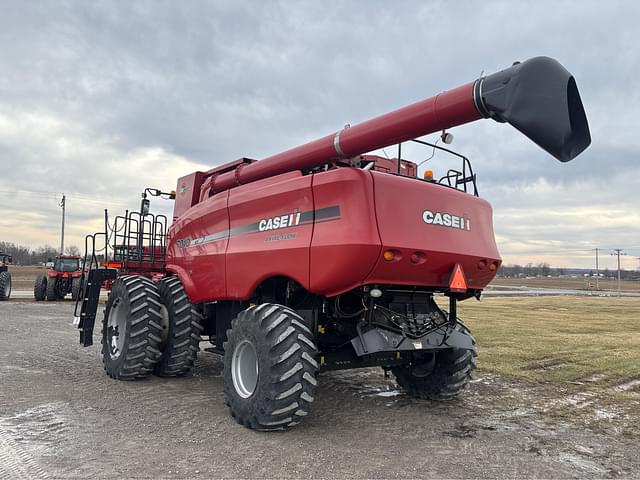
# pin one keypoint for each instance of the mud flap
(380, 340)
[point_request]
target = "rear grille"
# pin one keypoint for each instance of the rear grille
(412, 326)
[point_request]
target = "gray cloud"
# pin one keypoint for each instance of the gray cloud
(103, 99)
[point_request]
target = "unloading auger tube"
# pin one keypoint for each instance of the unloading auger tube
(538, 97)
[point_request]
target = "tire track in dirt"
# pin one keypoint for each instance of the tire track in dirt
(15, 463)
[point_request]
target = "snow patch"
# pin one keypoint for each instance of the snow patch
(601, 413)
(628, 386)
(579, 400)
(390, 393)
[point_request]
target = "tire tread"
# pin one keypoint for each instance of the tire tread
(143, 323)
(287, 382)
(451, 374)
(183, 342)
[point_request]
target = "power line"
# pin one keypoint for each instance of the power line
(28, 192)
(79, 197)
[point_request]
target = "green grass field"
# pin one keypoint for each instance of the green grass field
(563, 346)
(557, 338)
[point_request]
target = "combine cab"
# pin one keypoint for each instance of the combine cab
(61, 279)
(5, 276)
(322, 257)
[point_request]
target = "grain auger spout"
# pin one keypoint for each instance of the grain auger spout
(538, 97)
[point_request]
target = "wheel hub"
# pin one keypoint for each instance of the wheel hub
(116, 329)
(164, 327)
(244, 369)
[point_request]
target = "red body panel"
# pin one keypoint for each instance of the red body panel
(187, 193)
(390, 165)
(256, 252)
(200, 261)
(436, 248)
(328, 231)
(344, 250)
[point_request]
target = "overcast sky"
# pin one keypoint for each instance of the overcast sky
(101, 99)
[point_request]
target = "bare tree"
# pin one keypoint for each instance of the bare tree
(72, 250)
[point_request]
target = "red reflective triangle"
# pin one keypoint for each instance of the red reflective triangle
(457, 281)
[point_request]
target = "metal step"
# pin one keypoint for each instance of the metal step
(90, 297)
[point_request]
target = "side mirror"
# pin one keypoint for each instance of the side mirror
(144, 206)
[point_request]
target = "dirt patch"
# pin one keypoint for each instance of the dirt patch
(546, 364)
(24, 277)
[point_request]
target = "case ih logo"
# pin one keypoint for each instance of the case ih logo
(446, 220)
(281, 221)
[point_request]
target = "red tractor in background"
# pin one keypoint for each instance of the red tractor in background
(5, 276)
(62, 278)
(322, 257)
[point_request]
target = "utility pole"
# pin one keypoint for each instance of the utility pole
(63, 205)
(597, 271)
(618, 252)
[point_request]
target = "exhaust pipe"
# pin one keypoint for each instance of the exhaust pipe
(539, 98)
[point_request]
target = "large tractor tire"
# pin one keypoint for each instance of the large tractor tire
(131, 328)
(442, 378)
(270, 367)
(181, 327)
(5, 285)
(75, 288)
(52, 289)
(40, 288)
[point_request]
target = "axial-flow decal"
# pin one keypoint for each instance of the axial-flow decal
(292, 219)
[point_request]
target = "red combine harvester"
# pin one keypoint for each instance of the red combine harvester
(63, 278)
(322, 257)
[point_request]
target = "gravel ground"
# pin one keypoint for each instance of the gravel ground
(62, 417)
